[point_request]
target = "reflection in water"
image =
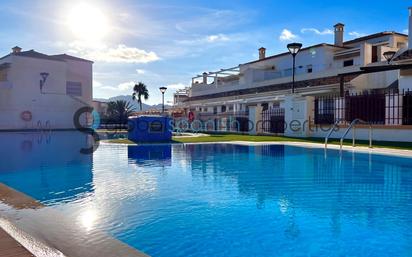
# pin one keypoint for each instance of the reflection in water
(144, 154)
(229, 200)
(50, 164)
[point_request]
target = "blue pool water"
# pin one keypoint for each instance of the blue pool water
(220, 199)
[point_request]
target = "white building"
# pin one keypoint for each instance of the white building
(180, 96)
(341, 68)
(39, 91)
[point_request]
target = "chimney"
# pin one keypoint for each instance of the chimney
(16, 50)
(262, 53)
(204, 78)
(339, 34)
(410, 29)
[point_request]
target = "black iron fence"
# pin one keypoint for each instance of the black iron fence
(230, 121)
(378, 107)
(273, 120)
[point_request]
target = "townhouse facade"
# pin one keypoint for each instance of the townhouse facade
(39, 91)
(252, 96)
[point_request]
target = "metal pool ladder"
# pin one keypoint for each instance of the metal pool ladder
(331, 131)
(352, 125)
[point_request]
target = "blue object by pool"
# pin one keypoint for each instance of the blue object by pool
(221, 199)
(150, 129)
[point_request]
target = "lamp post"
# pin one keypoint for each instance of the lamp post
(163, 90)
(294, 49)
(389, 55)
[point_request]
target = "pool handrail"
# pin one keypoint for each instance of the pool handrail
(331, 131)
(352, 125)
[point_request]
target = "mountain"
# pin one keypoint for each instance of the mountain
(128, 98)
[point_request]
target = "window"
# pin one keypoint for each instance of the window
(215, 110)
(348, 63)
(74, 88)
(309, 68)
(374, 53)
(155, 127)
(223, 108)
(230, 107)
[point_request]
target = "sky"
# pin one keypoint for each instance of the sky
(166, 43)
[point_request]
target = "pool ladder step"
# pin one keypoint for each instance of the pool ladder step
(351, 126)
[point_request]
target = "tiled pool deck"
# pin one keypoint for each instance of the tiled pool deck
(52, 229)
(10, 247)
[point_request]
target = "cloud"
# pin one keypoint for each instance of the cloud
(126, 86)
(217, 38)
(96, 84)
(356, 34)
(287, 35)
(405, 31)
(209, 39)
(177, 86)
(119, 54)
(140, 71)
(124, 54)
(316, 31)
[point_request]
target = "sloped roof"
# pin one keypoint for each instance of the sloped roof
(37, 55)
(360, 39)
(376, 35)
(276, 87)
(69, 57)
(303, 49)
(404, 56)
(33, 54)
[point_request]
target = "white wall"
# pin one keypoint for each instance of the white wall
(297, 112)
(53, 105)
(378, 134)
(405, 80)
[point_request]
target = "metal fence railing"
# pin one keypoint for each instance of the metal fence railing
(377, 107)
(273, 120)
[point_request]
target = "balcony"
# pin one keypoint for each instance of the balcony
(224, 114)
(264, 75)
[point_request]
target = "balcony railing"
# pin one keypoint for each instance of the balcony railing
(224, 114)
(384, 108)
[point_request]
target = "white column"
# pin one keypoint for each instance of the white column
(252, 120)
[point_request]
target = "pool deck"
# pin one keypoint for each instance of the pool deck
(10, 247)
(26, 223)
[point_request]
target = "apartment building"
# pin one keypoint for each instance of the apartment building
(341, 68)
(39, 91)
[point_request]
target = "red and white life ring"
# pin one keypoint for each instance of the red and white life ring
(191, 116)
(26, 116)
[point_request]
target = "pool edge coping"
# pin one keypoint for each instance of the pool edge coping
(360, 149)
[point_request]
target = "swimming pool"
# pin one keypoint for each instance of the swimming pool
(220, 199)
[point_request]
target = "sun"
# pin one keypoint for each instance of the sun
(87, 22)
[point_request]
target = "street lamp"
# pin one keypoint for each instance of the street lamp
(389, 55)
(163, 90)
(294, 49)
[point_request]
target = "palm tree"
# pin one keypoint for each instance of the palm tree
(120, 110)
(140, 90)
